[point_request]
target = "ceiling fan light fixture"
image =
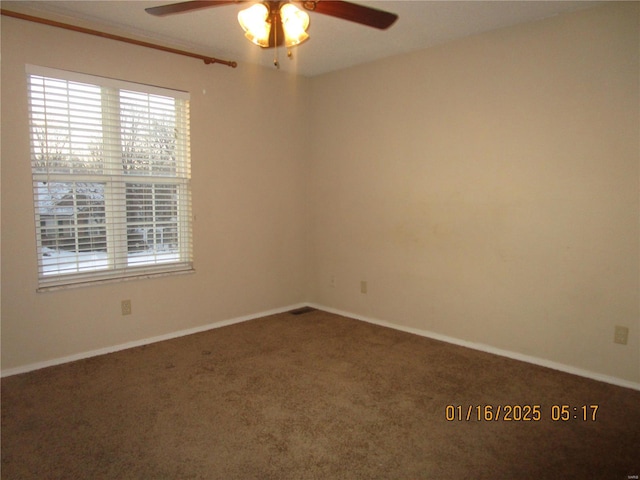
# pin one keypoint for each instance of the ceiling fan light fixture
(294, 23)
(253, 21)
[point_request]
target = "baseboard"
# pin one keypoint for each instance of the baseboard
(487, 348)
(145, 341)
(424, 333)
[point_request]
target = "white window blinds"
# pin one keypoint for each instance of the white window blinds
(111, 178)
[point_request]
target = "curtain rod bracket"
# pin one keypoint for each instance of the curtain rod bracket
(209, 61)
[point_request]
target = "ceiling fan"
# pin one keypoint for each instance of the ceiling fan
(275, 23)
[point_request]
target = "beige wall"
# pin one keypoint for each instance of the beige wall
(486, 190)
(249, 220)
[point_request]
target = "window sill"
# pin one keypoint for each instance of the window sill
(106, 281)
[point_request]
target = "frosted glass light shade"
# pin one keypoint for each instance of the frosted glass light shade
(294, 23)
(253, 21)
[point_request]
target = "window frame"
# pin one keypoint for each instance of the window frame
(118, 181)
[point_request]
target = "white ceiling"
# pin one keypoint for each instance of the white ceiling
(334, 44)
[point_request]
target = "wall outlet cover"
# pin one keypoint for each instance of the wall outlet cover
(621, 335)
(125, 305)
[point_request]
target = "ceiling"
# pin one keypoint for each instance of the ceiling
(334, 44)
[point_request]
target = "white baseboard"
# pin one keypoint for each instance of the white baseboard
(424, 333)
(488, 348)
(144, 341)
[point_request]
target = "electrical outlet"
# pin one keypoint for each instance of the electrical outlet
(363, 286)
(125, 305)
(621, 335)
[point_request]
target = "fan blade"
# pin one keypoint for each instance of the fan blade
(371, 17)
(182, 7)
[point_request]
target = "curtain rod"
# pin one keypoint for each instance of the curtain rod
(74, 28)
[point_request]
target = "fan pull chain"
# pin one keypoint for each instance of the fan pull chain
(274, 25)
(276, 58)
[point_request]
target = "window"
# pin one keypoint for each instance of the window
(111, 178)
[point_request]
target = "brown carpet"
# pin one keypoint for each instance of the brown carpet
(313, 396)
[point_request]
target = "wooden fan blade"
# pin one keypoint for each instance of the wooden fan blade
(371, 17)
(182, 7)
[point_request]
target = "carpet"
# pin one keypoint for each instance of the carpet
(314, 396)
